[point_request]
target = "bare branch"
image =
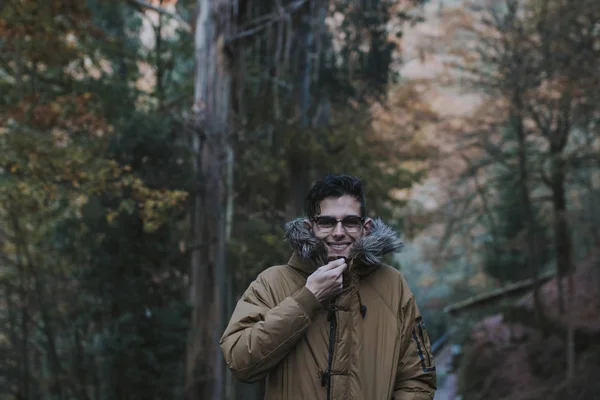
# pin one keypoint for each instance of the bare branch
(141, 3)
(482, 195)
(261, 23)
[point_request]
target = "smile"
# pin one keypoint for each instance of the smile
(338, 246)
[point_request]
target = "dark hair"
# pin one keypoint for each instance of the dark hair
(334, 186)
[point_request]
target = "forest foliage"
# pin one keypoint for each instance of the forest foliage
(96, 175)
(103, 169)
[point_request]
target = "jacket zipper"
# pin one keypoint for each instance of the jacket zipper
(423, 341)
(332, 338)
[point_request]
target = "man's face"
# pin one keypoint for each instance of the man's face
(340, 236)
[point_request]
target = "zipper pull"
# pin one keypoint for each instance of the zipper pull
(324, 378)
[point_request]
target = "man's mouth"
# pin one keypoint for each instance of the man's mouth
(338, 246)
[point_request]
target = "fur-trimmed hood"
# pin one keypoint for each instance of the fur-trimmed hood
(366, 253)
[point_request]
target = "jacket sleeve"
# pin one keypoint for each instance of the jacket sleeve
(261, 333)
(416, 376)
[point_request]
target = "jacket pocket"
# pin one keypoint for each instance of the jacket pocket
(421, 337)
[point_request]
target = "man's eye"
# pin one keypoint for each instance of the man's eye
(326, 222)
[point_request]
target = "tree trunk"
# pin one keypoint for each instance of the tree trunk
(596, 266)
(570, 332)
(299, 161)
(300, 164)
(562, 236)
(210, 125)
(80, 365)
(532, 239)
(27, 266)
(563, 247)
(594, 229)
(230, 274)
(25, 368)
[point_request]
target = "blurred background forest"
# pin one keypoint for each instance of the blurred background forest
(152, 150)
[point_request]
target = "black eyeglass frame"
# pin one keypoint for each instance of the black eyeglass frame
(338, 220)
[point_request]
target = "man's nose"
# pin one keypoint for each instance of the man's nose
(339, 229)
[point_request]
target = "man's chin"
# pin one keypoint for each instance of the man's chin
(334, 255)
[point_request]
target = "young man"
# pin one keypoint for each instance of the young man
(334, 322)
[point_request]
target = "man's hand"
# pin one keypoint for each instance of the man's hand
(327, 281)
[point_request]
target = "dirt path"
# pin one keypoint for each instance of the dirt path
(446, 380)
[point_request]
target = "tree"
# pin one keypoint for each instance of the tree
(89, 261)
(210, 125)
(533, 58)
(506, 256)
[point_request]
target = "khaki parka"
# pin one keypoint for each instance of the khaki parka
(368, 343)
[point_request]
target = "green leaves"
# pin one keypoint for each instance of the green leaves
(91, 270)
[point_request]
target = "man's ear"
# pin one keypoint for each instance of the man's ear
(368, 225)
(307, 224)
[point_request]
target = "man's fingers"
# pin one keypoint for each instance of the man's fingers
(333, 264)
(340, 269)
(337, 271)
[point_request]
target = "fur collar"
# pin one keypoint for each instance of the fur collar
(367, 251)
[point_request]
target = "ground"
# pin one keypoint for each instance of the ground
(514, 361)
(446, 379)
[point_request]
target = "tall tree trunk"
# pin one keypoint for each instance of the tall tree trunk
(210, 123)
(25, 368)
(158, 60)
(596, 262)
(594, 225)
(570, 331)
(27, 264)
(562, 239)
(56, 387)
(299, 161)
(563, 247)
(300, 165)
(80, 365)
(230, 274)
(532, 237)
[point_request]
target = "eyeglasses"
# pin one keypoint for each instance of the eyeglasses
(351, 223)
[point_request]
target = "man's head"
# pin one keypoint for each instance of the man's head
(336, 212)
